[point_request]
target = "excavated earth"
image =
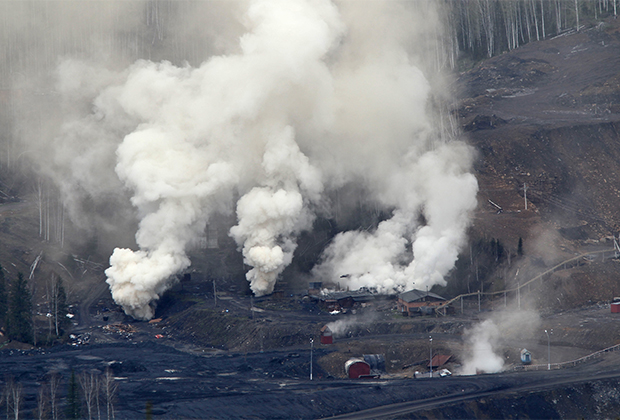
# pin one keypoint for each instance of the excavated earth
(546, 116)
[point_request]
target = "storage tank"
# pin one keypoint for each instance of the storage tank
(356, 368)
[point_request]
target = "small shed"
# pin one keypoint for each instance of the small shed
(615, 308)
(356, 368)
(326, 335)
(526, 357)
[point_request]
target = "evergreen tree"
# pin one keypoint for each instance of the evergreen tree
(4, 299)
(149, 410)
(520, 247)
(72, 409)
(19, 322)
(58, 306)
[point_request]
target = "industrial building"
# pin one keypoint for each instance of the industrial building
(342, 301)
(418, 302)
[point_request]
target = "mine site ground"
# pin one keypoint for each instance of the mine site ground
(238, 357)
(183, 379)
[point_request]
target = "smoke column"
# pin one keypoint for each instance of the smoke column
(204, 132)
(486, 341)
(482, 341)
(313, 98)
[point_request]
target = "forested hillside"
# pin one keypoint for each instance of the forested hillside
(484, 28)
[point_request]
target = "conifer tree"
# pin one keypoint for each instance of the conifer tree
(72, 409)
(19, 322)
(58, 305)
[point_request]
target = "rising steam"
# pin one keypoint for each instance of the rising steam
(486, 341)
(221, 127)
(482, 355)
(314, 97)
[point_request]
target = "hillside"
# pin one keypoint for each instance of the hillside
(544, 120)
(565, 152)
(546, 116)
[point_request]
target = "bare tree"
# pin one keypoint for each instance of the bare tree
(542, 18)
(39, 190)
(42, 409)
(89, 381)
(577, 13)
(109, 388)
(533, 6)
(54, 384)
(558, 16)
(51, 212)
(57, 304)
(97, 395)
(13, 398)
(5, 397)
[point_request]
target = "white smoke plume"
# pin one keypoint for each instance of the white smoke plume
(504, 330)
(312, 98)
(482, 343)
(204, 132)
(343, 326)
(400, 252)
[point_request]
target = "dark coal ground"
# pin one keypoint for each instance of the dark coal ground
(275, 385)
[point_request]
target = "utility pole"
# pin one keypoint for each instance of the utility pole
(214, 294)
(548, 351)
(430, 358)
(525, 194)
(311, 351)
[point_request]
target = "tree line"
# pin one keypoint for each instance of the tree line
(483, 267)
(17, 315)
(89, 395)
(484, 28)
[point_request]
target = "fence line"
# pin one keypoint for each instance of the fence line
(520, 286)
(564, 365)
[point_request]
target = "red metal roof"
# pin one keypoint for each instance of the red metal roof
(440, 360)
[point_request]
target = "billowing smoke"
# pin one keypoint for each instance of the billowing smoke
(313, 98)
(225, 126)
(486, 342)
(482, 347)
(401, 252)
(348, 325)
